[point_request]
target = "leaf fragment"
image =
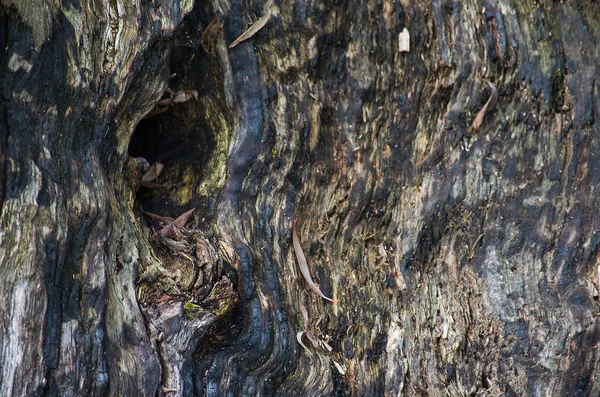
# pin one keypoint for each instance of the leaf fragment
(182, 219)
(252, 30)
(154, 172)
(169, 228)
(299, 338)
(184, 96)
(304, 266)
(164, 219)
(487, 107)
(309, 334)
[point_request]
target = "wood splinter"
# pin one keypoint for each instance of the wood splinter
(304, 266)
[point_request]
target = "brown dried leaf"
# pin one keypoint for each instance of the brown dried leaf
(156, 111)
(252, 30)
(153, 172)
(164, 219)
(169, 228)
(487, 107)
(304, 265)
(182, 219)
(166, 231)
(165, 102)
(184, 96)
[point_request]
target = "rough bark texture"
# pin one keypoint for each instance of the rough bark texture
(466, 260)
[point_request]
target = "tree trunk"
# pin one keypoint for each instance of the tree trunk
(460, 236)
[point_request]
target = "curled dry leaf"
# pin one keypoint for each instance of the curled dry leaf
(155, 111)
(487, 107)
(209, 36)
(299, 338)
(309, 335)
(184, 96)
(154, 172)
(169, 228)
(252, 30)
(182, 219)
(176, 97)
(304, 266)
(165, 102)
(164, 219)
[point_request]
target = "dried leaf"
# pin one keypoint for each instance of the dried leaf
(153, 172)
(166, 231)
(165, 102)
(169, 229)
(209, 36)
(304, 266)
(309, 334)
(156, 111)
(256, 26)
(184, 96)
(182, 219)
(164, 219)
(404, 41)
(299, 338)
(487, 107)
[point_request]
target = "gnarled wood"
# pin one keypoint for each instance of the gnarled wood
(465, 259)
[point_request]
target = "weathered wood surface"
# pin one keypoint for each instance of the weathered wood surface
(465, 261)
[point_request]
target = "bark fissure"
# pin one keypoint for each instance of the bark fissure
(462, 244)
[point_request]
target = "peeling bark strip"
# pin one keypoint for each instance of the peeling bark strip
(471, 261)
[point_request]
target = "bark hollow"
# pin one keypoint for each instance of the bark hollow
(446, 196)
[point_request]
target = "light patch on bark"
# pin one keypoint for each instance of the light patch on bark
(395, 371)
(17, 62)
(502, 306)
(12, 350)
(37, 14)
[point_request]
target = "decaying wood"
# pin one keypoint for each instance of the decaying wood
(468, 262)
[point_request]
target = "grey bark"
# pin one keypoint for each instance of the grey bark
(465, 259)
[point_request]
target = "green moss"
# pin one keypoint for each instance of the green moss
(192, 310)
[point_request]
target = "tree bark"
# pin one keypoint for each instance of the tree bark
(465, 256)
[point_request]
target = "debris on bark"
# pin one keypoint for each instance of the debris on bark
(252, 30)
(487, 107)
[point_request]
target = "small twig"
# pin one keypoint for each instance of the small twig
(475, 246)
